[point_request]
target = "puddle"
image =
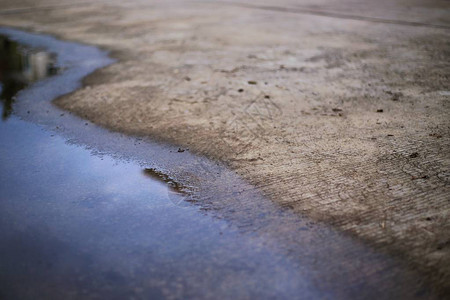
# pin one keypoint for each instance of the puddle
(76, 223)
(88, 213)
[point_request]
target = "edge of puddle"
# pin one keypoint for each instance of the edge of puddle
(345, 267)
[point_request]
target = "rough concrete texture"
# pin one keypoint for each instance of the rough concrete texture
(337, 109)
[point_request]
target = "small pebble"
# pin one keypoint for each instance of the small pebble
(414, 155)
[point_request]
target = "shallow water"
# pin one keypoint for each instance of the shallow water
(75, 223)
(72, 222)
(87, 213)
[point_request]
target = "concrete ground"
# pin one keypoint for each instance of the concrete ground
(339, 110)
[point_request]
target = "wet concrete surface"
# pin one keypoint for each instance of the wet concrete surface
(319, 145)
(89, 213)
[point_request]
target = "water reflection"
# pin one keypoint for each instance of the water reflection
(177, 193)
(20, 66)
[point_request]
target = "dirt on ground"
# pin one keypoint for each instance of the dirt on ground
(339, 110)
